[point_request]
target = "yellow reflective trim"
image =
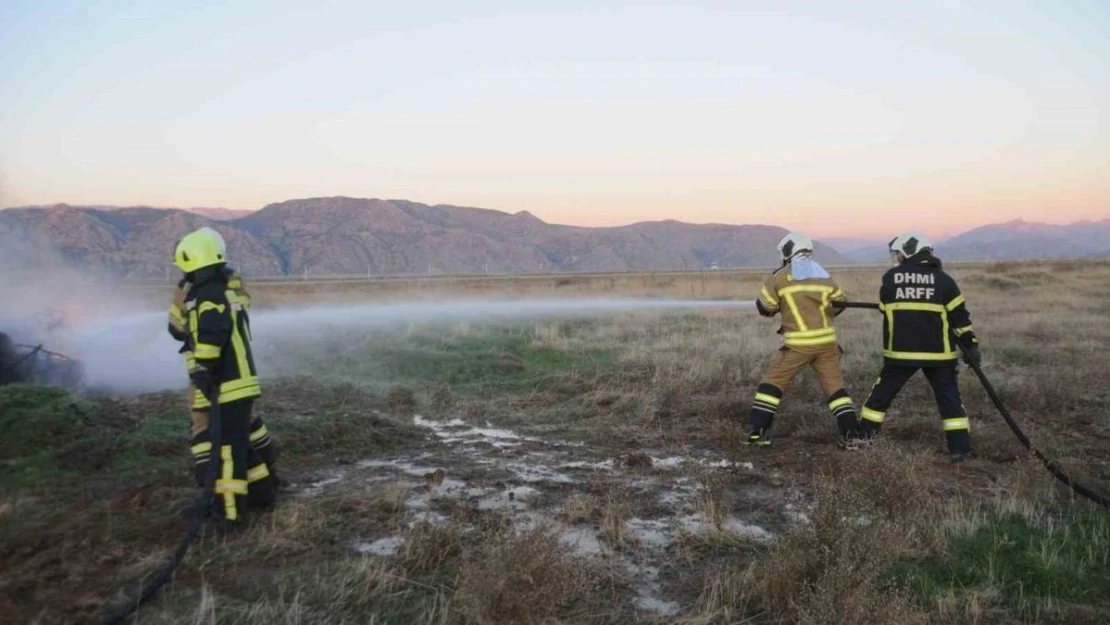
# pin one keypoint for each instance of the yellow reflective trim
(230, 511)
(837, 403)
(234, 487)
(947, 339)
(920, 355)
(961, 423)
(202, 448)
(825, 340)
(193, 326)
(239, 346)
(259, 434)
(241, 383)
(204, 351)
(794, 311)
(962, 331)
(200, 402)
(806, 288)
(809, 334)
(956, 302)
(207, 306)
(837, 294)
(824, 310)
(258, 473)
(918, 306)
(176, 316)
(253, 391)
(873, 416)
(768, 399)
(767, 297)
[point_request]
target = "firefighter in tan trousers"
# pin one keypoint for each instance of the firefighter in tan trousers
(803, 293)
(198, 404)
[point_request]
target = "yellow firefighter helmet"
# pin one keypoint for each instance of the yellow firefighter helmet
(216, 236)
(197, 250)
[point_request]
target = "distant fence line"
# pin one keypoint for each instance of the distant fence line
(424, 277)
(412, 277)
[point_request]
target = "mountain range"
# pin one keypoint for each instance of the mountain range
(350, 236)
(1012, 240)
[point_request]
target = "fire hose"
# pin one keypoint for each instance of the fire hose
(1048, 463)
(197, 514)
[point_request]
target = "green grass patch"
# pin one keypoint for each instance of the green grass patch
(47, 434)
(1028, 564)
(494, 362)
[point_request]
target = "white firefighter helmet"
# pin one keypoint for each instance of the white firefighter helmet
(217, 237)
(909, 244)
(793, 244)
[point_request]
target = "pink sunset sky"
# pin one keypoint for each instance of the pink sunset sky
(850, 119)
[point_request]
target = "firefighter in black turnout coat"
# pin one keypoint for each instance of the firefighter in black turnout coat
(221, 366)
(924, 314)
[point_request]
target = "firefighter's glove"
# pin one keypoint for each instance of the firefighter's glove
(205, 380)
(972, 355)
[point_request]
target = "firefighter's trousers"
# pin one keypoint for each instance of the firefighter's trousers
(957, 428)
(788, 362)
(242, 477)
(260, 437)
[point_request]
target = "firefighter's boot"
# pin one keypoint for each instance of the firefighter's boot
(765, 406)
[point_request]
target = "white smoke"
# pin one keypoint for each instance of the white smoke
(134, 353)
(126, 349)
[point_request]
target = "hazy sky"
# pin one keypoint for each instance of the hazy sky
(839, 117)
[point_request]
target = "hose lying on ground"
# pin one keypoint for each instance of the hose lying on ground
(197, 514)
(1052, 467)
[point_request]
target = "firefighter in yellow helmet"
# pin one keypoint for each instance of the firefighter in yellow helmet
(803, 293)
(260, 437)
(221, 367)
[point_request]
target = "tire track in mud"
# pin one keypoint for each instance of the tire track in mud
(531, 480)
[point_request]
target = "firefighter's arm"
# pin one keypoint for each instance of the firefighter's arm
(886, 292)
(176, 324)
(768, 302)
(958, 316)
(837, 297)
(210, 333)
(213, 329)
(235, 283)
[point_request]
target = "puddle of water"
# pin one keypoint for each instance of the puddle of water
(648, 589)
(401, 465)
(675, 462)
(650, 603)
(511, 499)
(651, 532)
(538, 473)
(604, 465)
(381, 547)
(459, 431)
(430, 517)
(672, 462)
(319, 486)
(696, 524)
(583, 540)
(792, 512)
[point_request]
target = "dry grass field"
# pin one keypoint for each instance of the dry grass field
(588, 470)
